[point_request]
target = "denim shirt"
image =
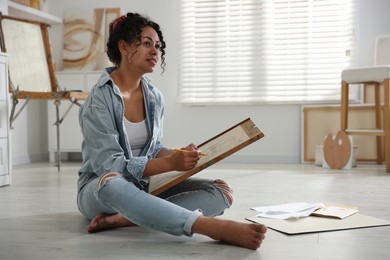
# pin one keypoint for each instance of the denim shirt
(105, 146)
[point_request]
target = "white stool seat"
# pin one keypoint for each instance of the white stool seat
(366, 74)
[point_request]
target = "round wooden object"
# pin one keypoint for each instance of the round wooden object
(337, 151)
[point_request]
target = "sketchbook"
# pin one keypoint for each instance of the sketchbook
(216, 149)
(339, 212)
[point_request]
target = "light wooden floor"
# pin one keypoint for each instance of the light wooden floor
(39, 218)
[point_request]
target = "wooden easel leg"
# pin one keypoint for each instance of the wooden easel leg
(57, 103)
(58, 123)
(13, 116)
(386, 114)
(378, 124)
(344, 106)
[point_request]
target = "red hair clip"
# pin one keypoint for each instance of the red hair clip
(118, 21)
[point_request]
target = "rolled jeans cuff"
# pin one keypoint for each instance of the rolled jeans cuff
(190, 222)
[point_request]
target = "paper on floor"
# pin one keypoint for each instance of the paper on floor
(288, 210)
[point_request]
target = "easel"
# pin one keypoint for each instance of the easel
(31, 69)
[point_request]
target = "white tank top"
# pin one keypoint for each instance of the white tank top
(138, 135)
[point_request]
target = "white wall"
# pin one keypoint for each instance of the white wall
(29, 140)
(183, 124)
(373, 20)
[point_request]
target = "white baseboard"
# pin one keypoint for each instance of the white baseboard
(29, 158)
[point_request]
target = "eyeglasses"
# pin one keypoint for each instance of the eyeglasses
(147, 42)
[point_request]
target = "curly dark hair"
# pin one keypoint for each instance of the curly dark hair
(128, 28)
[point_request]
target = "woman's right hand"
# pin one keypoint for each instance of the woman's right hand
(173, 160)
(184, 160)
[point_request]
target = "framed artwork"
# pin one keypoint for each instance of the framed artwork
(85, 38)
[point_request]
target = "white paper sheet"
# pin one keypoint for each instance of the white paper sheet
(288, 210)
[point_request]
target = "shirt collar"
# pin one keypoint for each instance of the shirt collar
(105, 77)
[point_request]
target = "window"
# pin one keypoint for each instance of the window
(251, 51)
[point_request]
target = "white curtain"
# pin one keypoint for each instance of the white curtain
(264, 51)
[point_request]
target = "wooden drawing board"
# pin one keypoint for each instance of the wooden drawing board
(216, 148)
(313, 224)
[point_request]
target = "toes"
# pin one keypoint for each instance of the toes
(264, 229)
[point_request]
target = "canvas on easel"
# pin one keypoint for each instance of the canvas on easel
(30, 70)
(216, 149)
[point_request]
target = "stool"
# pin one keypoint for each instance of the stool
(375, 75)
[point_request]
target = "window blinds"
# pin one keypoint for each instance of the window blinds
(250, 51)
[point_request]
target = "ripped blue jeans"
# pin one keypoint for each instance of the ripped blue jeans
(173, 211)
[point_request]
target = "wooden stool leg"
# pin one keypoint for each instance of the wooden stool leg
(386, 115)
(378, 124)
(344, 106)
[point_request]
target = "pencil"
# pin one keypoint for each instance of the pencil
(182, 150)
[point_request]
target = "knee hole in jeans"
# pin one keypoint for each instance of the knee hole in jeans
(226, 190)
(106, 177)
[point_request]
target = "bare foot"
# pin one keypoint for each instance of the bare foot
(104, 221)
(248, 235)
